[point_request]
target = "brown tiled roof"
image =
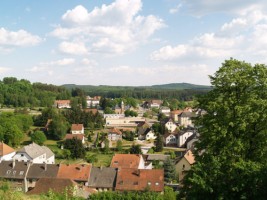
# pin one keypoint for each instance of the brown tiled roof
(116, 131)
(156, 101)
(57, 185)
(125, 161)
(11, 171)
(5, 149)
(140, 179)
(43, 171)
(62, 101)
(176, 112)
(189, 156)
(77, 172)
(71, 136)
(93, 110)
(76, 127)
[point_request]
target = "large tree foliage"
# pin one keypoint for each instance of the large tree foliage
(76, 147)
(38, 137)
(169, 170)
(231, 155)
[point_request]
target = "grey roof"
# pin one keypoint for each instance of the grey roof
(187, 114)
(103, 177)
(34, 150)
(11, 171)
(43, 171)
(160, 157)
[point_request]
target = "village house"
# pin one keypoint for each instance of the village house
(129, 179)
(77, 136)
(15, 172)
(35, 154)
(114, 134)
(134, 161)
(185, 119)
(170, 139)
(62, 104)
(184, 164)
(124, 122)
(38, 171)
(174, 115)
(165, 110)
(170, 125)
(102, 178)
(77, 129)
(6, 152)
(77, 172)
(183, 136)
(93, 102)
(155, 103)
(57, 185)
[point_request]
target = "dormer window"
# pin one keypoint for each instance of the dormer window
(156, 183)
(148, 183)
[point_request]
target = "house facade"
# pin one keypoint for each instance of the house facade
(170, 139)
(183, 136)
(6, 152)
(165, 110)
(62, 104)
(185, 119)
(184, 164)
(35, 154)
(77, 129)
(170, 125)
(114, 134)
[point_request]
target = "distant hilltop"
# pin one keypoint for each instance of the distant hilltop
(169, 86)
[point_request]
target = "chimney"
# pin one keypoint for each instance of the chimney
(45, 166)
(13, 163)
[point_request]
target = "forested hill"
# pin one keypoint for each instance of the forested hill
(181, 91)
(22, 93)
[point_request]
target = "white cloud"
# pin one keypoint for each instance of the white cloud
(175, 9)
(61, 62)
(20, 38)
(115, 28)
(74, 48)
(86, 61)
(4, 69)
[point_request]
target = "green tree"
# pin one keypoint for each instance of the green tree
(76, 147)
(119, 145)
(38, 137)
(231, 154)
(169, 171)
(106, 147)
(159, 143)
(58, 127)
(135, 149)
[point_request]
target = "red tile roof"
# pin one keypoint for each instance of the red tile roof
(57, 185)
(76, 127)
(77, 172)
(71, 136)
(5, 149)
(116, 131)
(93, 110)
(140, 179)
(125, 161)
(62, 101)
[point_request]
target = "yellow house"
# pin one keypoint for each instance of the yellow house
(184, 164)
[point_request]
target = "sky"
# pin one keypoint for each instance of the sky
(128, 42)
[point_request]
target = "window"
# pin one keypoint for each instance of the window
(8, 172)
(21, 173)
(21, 155)
(148, 183)
(156, 183)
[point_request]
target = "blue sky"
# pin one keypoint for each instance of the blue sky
(128, 42)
